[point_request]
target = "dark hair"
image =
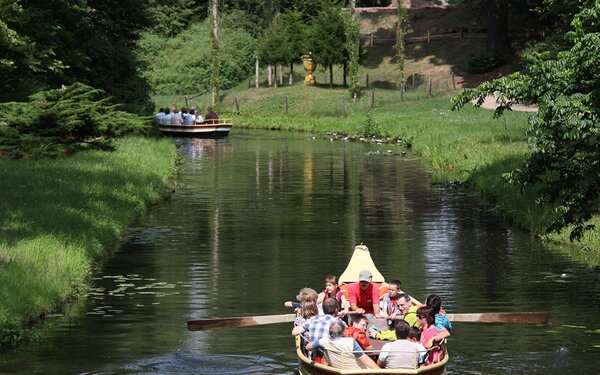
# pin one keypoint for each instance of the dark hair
(161, 110)
(330, 305)
(167, 111)
(414, 333)
(435, 302)
(183, 110)
(402, 328)
(395, 282)
(356, 318)
(403, 295)
(427, 313)
(332, 279)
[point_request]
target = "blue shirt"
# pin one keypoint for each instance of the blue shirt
(441, 322)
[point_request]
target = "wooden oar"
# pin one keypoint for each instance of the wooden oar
(501, 317)
(248, 321)
(242, 321)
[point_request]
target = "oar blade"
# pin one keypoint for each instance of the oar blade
(501, 317)
(234, 322)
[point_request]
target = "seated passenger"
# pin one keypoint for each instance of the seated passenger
(402, 353)
(211, 117)
(188, 119)
(304, 295)
(358, 331)
(408, 312)
(176, 118)
(364, 295)
(158, 117)
(442, 324)
(308, 309)
(426, 319)
(342, 352)
(389, 303)
(332, 290)
(166, 119)
(198, 119)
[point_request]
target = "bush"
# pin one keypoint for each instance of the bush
(482, 62)
(65, 120)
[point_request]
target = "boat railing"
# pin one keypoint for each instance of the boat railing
(440, 347)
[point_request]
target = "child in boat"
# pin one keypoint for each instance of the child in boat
(358, 331)
(332, 290)
(308, 309)
(389, 304)
(304, 295)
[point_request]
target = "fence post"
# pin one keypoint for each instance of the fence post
(367, 80)
(372, 98)
(428, 37)
(429, 87)
(371, 39)
(413, 80)
(286, 104)
(237, 104)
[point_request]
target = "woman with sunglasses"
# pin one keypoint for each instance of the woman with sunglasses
(426, 319)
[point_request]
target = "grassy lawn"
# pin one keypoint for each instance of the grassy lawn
(60, 217)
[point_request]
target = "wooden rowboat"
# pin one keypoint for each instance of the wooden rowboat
(221, 129)
(361, 259)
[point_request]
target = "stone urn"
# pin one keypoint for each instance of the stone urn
(309, 65)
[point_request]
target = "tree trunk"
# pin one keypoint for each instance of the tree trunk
(281, 74)
(256, 71)
(214, 9)
(269, 75)
(275, 75)
(345, 74)
(497, 29)
(330, 75)
(291, 79)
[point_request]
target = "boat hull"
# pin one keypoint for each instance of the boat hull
(204, 130)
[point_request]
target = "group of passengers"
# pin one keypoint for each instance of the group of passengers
(335, 328)
(173, 116)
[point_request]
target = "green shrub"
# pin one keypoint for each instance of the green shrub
(60, 121)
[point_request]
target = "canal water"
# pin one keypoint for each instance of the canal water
(259, 215)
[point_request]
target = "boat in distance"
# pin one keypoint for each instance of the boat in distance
(361, 259)
(221, 128)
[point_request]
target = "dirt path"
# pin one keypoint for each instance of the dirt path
(490, 103)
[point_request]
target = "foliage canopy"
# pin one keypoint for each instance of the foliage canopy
(565, 134)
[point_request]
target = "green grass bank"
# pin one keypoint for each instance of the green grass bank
(467, 146)
(61, 217)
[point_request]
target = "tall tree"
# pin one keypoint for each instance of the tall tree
(563, 81)
(402, 29)
(498, 43)
(327, 39)
(170, 17)
(214, 82)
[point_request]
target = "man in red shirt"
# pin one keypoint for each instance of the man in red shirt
(358, 331)
(364, 295)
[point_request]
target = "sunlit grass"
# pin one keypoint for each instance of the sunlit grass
(61, 216)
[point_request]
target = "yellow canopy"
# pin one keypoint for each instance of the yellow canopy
(361, 260)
